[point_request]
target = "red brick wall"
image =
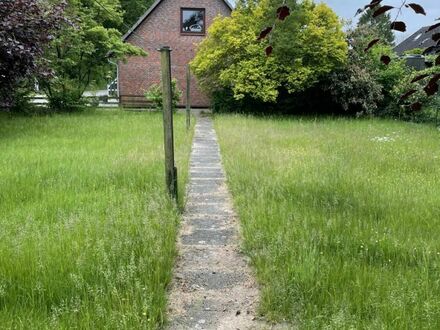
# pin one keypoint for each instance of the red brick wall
(162, 28)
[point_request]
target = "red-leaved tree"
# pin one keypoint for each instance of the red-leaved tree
(26, 27)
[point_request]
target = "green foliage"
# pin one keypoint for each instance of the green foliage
(397, 108)
(415, 51)
(133, 10)
(155, 95)
(388, 76)
(307, 46)
(80, 53)
(354, 89)
(380, 26)
(222, 101)
(22, 104)
(365, 84)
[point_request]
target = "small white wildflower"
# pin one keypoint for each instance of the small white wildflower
(383, 139)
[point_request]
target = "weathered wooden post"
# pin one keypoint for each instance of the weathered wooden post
(188, 97)
(170, 169)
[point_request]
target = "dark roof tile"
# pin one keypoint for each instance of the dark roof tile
(420, 39)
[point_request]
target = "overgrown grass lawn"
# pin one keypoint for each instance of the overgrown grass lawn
(86, 231)
(341, 218)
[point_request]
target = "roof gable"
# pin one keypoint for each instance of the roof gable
(149, 11)
(420, 39)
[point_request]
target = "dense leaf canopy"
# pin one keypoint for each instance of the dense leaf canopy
(133, 10)
(306, 45)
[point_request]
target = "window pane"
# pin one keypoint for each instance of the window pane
(193, 20)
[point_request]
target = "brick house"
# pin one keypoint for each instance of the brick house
(180, 24)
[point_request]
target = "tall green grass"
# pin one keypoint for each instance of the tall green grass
(341, 218)
(87, 235)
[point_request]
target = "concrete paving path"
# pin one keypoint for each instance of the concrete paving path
(213, 287)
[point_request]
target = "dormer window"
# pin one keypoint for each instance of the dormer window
(192, 21)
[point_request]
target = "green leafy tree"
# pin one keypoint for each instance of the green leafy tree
(307, 46)
(133, 10)
(379, 26)
(79, 56)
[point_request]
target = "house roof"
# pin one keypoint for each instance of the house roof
(420, 39)
(150, 10)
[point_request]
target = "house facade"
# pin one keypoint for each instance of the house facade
(180, 24)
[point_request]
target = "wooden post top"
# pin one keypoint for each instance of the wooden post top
(165, 49)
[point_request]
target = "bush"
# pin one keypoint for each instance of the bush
(354, 89)
(387, 76)
(64, 96)
(22, 104)
(364, 86)
(402, 110)
(154, 95)
(223, 101)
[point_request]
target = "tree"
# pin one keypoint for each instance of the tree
(26, 27)
(80, 55)
(133, 10)
(380, 26)
(306, 47)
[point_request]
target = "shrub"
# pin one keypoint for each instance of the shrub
(387, 76)
(22, 104)
(223, 101)
(64, 96)
(354, 89)
(154, 95)
(401, 110)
